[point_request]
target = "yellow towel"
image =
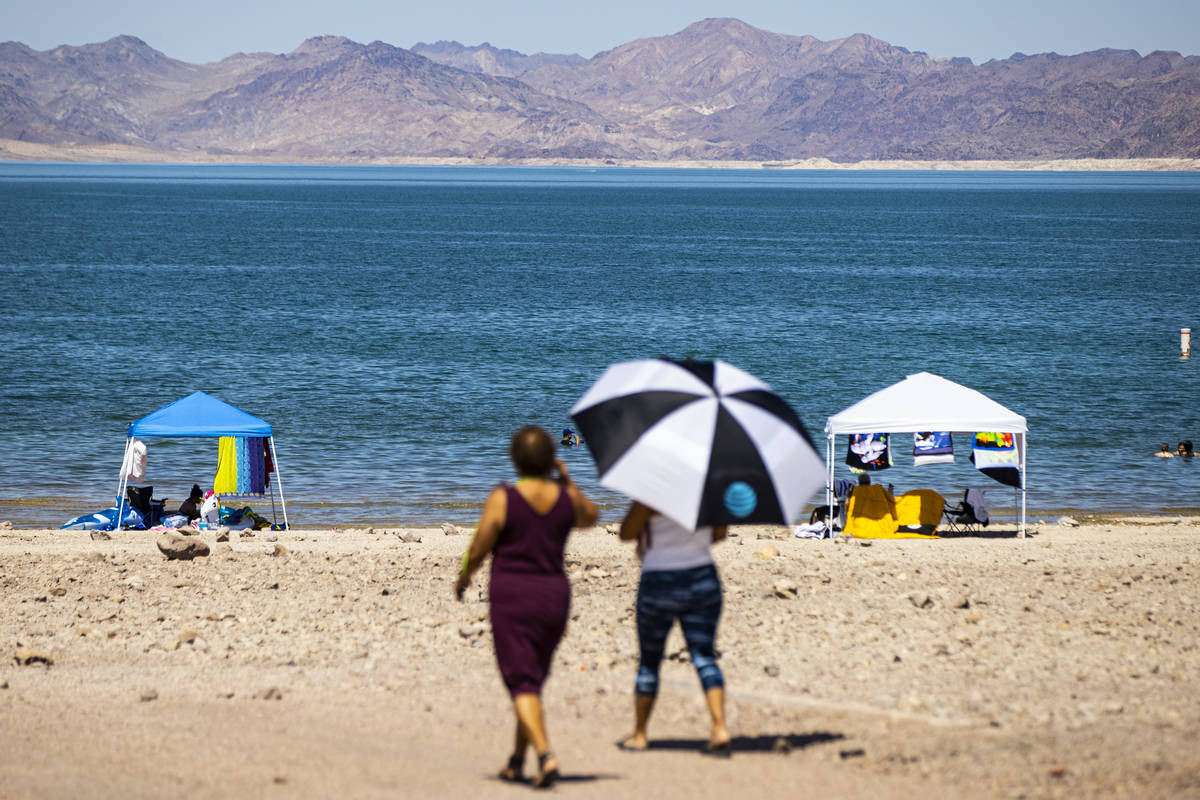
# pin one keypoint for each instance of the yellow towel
(871, 513)
(225, 481)
(919, 507)
(874, 514)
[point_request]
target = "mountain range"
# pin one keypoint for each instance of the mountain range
(718, 90)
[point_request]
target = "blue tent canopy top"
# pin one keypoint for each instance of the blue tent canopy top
(199, 414)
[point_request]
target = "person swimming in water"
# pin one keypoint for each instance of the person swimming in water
(1165, 452)
(569, 438)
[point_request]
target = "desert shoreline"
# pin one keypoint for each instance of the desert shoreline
(305, 663)
(12, 150)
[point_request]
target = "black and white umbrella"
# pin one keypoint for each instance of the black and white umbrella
(701, 442)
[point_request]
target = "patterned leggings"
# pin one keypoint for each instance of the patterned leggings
(693, 596)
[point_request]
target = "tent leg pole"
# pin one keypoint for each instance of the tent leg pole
(122, 482)
(279, 481)
(1023, 448)
(829, 483)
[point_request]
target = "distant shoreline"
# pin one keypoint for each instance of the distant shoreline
(18, 151)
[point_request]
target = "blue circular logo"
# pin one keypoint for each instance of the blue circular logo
(740, 499)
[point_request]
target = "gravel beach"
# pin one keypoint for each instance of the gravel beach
(313, 663)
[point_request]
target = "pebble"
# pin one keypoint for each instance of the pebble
(26, 657)
(410, 537)
(1068, 522)
(450, 530)
(177, 546)
(279, 550)
(786, 589)
(766, 552)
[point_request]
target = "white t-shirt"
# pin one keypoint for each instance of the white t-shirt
(673, 546)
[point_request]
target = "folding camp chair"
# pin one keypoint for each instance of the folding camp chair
(969, 515)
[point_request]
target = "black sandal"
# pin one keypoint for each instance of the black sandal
(545, 780)
(514, 772)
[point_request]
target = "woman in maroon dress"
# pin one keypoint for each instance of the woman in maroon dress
(525, 528)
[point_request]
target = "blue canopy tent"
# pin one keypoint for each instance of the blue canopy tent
(200, 415)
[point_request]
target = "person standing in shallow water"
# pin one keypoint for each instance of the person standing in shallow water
(525, 529)
(679, 582)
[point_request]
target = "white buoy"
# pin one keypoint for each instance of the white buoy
(1185, 342)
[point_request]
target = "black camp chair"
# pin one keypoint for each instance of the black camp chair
(969, 515)
(150, 508)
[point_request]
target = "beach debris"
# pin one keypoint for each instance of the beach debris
(149, 696)
(920, 600)
(471, 631)
(853, 752)
(865, 542)
(100, 536)
(766, 552)
(187, 636)
(612, 530)
(223, 534)
(177, 546)
(1068, 522)
(279, 550)
(6, 525)
(1057, 771)
(771, 670)
(247, 534)
(370, 531)
(271, 693)
(451, 530)
(26, 657)
(411, 537)
(785, 589)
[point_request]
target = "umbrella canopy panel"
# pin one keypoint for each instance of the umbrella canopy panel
(703, 443)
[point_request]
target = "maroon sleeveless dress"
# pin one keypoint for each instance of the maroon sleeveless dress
(529, 595)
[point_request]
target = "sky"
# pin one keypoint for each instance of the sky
(200, 31)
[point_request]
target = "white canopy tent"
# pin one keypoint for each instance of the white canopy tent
(926, 402)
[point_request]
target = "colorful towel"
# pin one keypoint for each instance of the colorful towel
(868, 452)
(255, 447)
(995, 455)
(932, 447)
(226, 480)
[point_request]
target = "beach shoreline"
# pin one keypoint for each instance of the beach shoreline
(20, 151)
(312, 662)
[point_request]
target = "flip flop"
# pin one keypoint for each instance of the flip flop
(545, 780)
(722, 750)
(513, 773)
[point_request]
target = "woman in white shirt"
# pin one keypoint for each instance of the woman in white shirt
(679, 582)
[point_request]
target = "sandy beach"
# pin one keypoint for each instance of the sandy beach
(312, 663)
(17, 150)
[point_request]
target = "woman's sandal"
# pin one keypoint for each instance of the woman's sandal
(545, 778)
(514, 772)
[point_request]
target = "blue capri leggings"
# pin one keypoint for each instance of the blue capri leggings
(692, 596)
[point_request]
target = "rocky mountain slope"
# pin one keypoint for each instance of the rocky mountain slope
(718, 90)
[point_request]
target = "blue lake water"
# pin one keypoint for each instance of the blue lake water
(396, 324)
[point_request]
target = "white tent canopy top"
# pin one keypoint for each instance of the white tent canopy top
(926, 402)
